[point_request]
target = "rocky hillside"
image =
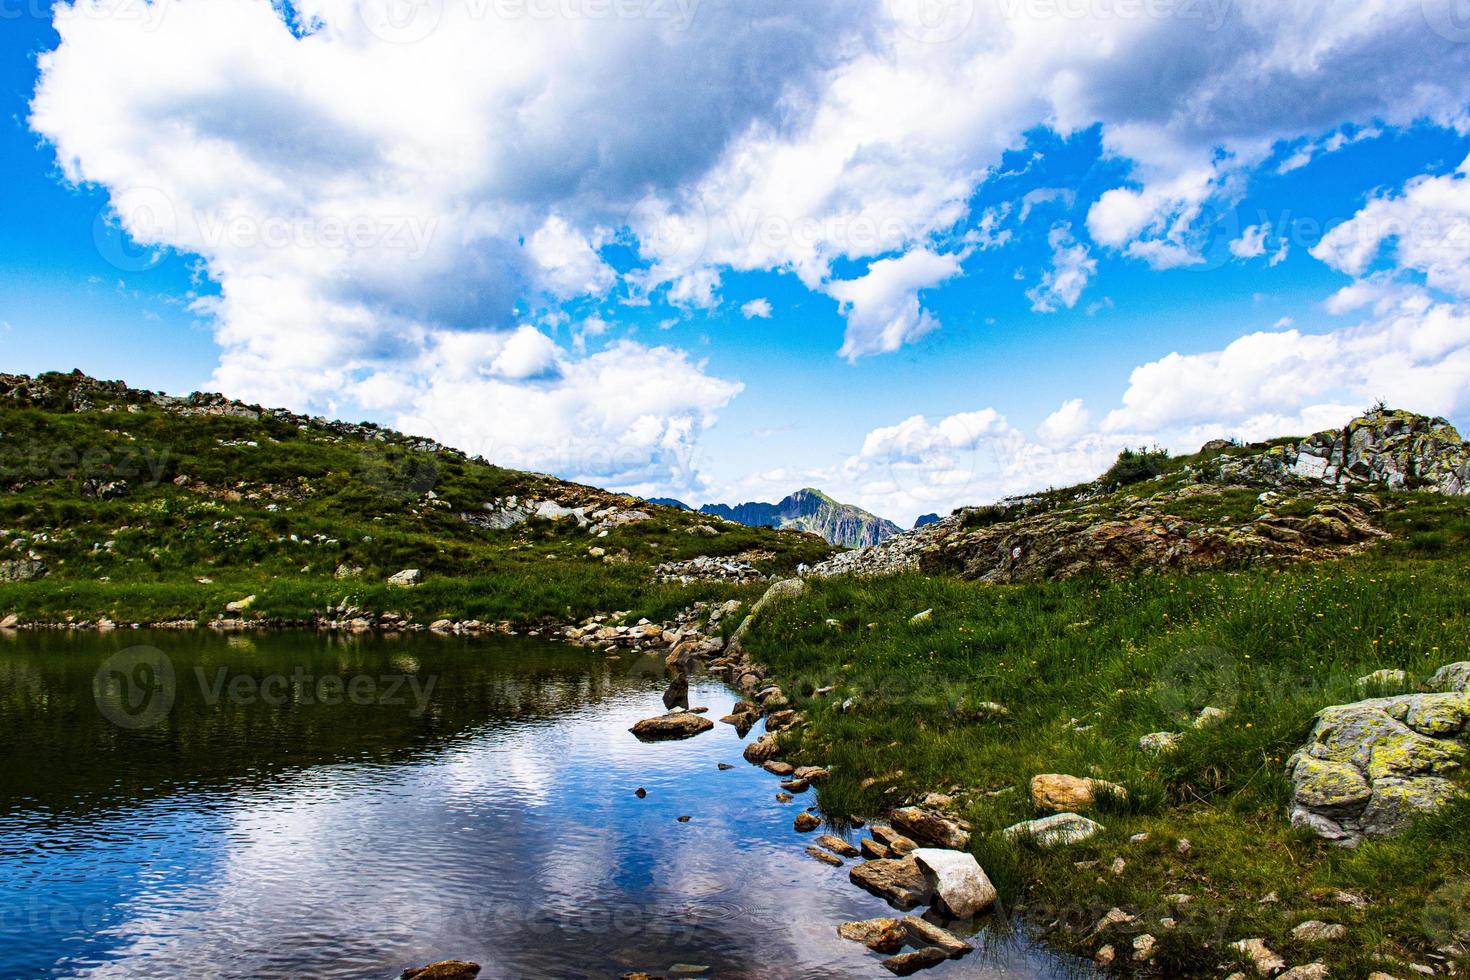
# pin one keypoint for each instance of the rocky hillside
(813, 511)
(1225, 506)
(145, 504)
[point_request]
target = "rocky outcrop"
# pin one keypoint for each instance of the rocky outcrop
(707, 569)
(929, 827)
(1303, 515)
(815, 512)
(1387, 448)
(1053, 791)
(1371, 767)
(906, 964)
(883, 935)
(1121, 535)
(21, 570)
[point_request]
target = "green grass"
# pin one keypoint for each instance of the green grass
(1120, 659)
(272, 508)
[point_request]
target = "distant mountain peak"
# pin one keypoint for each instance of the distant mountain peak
(809, 509)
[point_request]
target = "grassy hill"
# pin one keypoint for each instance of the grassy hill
(140, 507)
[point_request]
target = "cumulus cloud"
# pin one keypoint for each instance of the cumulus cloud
(1072, 267)
(568, 264)
(882, 306)
(756, 309)
(1413, 352)
(1066, 424)
(923, 465)
(629, 416)
(1251, 243)
(1425, 229)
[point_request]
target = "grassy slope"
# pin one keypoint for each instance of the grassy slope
(1123, 658)
(276, 518)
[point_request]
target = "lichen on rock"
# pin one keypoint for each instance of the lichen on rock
(1370, 768)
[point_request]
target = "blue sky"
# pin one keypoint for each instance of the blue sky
(720, 251)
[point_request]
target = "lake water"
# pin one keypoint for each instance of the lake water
(289, 805)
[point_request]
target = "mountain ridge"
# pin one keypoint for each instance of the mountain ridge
(811, 510)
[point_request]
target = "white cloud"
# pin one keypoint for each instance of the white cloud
(1251, 243)
(882, 306)
(920, 466)
(756, 309)
(1426, 228)
(1045, 195)
(1066, 424)
(1309, 150)
(1072, 268)
(569, 266)
(526, 353)
(698, 289)
(1413, 352)
(592, 326)
(629, 416)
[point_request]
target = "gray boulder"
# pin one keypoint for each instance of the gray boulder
(1452, 677)
(1057, 830)
(22, 570)
(960, 886)
(1370, 768)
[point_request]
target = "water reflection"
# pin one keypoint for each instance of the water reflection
(245, 836)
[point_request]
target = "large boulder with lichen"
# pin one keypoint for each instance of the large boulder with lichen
(1388, 448)
(1369, 768)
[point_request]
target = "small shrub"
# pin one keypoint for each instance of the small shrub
(1136, 465)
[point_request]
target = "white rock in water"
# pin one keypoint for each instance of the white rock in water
(957, 879)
